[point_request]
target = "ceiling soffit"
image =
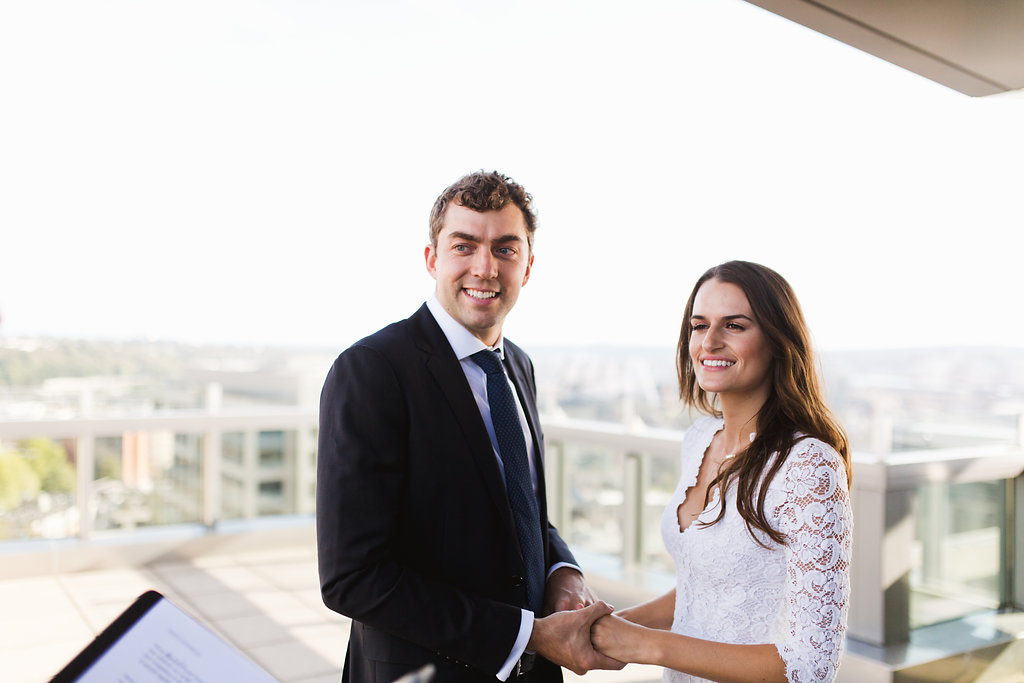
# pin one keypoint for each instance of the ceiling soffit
(973, 46)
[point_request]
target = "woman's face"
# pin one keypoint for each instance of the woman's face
(729, 351)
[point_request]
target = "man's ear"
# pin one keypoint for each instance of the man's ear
(529, 268)
(430, 257)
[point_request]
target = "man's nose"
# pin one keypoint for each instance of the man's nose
(485, 266)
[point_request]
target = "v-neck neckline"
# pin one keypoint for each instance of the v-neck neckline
(695, 476)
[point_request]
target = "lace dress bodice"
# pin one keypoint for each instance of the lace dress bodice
(729, 589)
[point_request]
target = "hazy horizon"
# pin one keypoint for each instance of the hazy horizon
(261, 173)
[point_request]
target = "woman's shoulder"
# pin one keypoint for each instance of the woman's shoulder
(810, 454)
(702, 429)
(706, 423)
(813, 448)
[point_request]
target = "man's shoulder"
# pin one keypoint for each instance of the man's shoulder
(400, 335)
(514, 349)
(391, 349)
(518, 359)
(401, 339)
(395, 334)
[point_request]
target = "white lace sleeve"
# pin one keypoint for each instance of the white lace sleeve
(817, 521)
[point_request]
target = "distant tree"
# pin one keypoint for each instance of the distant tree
(108, 467)
(49, 460)
(80, 358)
(18, 481)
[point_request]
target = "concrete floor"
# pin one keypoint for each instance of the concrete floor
(265, 602)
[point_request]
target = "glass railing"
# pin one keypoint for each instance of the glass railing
(77, 477)
(937, 530)
(957, 555)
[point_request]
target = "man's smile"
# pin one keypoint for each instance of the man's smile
(480, 293)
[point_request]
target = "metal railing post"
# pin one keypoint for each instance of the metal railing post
(250, 467)
(1013, 548)
(633, 488)
(85, 457)
(305, 471)
(557, 487)
(85, 463)
(210, 466)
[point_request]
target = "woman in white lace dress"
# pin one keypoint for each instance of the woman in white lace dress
(760, 523)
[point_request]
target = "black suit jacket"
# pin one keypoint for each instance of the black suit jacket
(415, 535)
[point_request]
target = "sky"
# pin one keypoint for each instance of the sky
(261, 172)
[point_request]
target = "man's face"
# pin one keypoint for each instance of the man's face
(481, 261)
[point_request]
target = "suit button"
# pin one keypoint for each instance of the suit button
(518, 582)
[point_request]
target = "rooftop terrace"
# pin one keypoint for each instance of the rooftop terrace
(938, 567)
(258, 592)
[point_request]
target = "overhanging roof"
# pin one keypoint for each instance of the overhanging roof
(973, 46)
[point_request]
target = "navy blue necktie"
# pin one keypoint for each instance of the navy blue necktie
(512, 449)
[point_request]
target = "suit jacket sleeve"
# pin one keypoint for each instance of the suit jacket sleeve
(383, 540)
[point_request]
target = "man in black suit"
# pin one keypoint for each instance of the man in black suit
(431, 536)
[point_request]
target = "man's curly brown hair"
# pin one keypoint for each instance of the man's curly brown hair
(484, 191)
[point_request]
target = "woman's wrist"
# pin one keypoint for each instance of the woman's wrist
(629, 614)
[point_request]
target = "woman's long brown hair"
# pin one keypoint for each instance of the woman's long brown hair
(795, 407)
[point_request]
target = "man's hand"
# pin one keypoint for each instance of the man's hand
(564, 638)
(566, 590)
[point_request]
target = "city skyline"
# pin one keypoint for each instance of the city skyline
(234, 173)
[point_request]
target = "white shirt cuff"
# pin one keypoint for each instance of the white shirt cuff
(525, 631)
(563, 564)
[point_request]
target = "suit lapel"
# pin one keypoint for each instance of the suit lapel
(517, 369)
(451, 382)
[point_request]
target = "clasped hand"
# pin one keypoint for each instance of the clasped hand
(563, 636)
(617, 638)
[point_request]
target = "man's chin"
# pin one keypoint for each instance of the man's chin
(487, 329)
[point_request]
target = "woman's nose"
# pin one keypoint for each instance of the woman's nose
(712, 339)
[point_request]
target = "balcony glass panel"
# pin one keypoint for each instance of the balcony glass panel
(234, 501)
(595, 512)
(272, 449)
(663, 475)
(957, 551)
(232, 497)
(38, 480)
(273, 482)
(118, 499)
(177, 482)
(232, 446)
(272, 500)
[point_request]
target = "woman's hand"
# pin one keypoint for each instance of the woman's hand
(620, 639)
